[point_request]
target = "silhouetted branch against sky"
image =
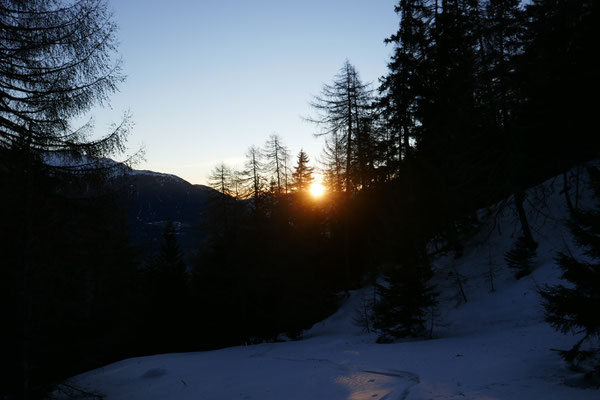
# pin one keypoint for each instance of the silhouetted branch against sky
(206, 79)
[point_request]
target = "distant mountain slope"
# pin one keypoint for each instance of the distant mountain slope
(151, 199)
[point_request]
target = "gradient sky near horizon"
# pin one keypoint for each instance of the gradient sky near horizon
(206, 79)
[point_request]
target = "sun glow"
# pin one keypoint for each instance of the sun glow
(317, 190)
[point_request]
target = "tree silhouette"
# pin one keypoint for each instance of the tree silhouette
(573, 307)
(166, 280)
(57, 60)
(333, 162)
(341, 108)
(277, 156)
(302, 175)
(405, 299)
(403, 89)
(253, 176)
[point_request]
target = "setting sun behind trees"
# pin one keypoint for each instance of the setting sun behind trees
(317, 190)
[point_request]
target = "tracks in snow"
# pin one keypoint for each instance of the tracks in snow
(407, 376)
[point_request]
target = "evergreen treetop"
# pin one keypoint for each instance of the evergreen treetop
(303, 173)
(573, 307)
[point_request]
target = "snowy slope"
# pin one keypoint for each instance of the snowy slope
(494, 346)
(114, 168)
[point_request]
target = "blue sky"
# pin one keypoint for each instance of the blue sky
(206, 79)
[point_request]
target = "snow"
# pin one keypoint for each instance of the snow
(495, 346)
(116, 169)
(155, 174)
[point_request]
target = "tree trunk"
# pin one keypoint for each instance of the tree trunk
(519, 197)
(27, 270)
(566, 189)
(349, 147)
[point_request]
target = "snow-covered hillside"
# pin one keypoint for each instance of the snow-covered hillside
(114, 168)
(494, 346)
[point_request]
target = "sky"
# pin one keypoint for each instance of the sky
(206, 79)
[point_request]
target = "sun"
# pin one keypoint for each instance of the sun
(317, 190)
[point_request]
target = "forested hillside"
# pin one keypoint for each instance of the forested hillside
(486, 338)
(482, 100)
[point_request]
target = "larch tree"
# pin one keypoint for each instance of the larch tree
(237, 184)
(341, 107)
(220, 179)
(253, 175)
(58, 59)
(333, 162)
(276, 157)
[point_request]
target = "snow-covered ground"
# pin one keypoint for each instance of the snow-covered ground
(494, 346)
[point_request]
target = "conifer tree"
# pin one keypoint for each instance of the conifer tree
(220, 179)
(253, 175)
(500, 45)
(237, 184)
(499, 97)
(224, 210)
(557, 77)
(276, 156)
(341, 108)
(167, 282)
(406, 298)
(573, 308)
(302, 175)
(521, 257)
(333, 162)
(58, 60)
(403, 89)
(170, 264)
(449, 107)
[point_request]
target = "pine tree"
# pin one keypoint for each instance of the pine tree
(573, 308)
(171, 266)
(499, 97)
(500, 46)
(521, 257)
(403, 89)
(451, 90)
(167, 282)
(557, 77)
(302, 175)
(406, 299)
